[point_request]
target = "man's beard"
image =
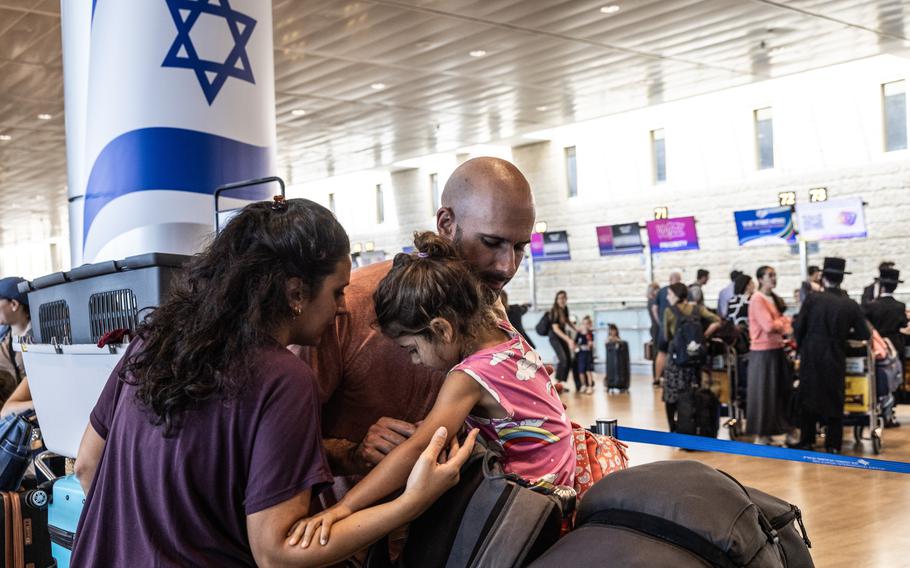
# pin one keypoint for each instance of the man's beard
(493, 279)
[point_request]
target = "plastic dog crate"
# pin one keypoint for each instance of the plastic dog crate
(83, 304)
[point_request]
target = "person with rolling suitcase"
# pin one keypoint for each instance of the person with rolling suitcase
(618, 365)
(683, 352)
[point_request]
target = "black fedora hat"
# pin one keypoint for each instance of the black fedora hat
(890, 276)
(835, 265)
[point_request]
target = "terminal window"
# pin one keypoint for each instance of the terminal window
(659, 155)
(894, 103)
(380, 204)
(571, 172)
(764, 138)
(435, 196)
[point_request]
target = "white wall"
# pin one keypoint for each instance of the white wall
(827, 132)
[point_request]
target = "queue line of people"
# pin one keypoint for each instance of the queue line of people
(826, 320)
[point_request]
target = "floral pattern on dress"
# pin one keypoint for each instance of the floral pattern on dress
(535, 436)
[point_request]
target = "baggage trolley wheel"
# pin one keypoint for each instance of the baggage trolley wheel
(876, 443)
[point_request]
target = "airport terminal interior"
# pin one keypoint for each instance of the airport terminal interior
(254, 254)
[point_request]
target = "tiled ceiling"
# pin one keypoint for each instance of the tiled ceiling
(546, 63)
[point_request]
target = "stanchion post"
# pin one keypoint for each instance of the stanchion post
(532, 281)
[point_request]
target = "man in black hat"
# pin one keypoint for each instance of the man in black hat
(826, 321)
(889, 316)
(873, 291)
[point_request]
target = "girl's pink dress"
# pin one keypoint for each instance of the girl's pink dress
(536, 437)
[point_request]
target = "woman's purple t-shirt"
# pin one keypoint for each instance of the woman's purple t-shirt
(183, 501)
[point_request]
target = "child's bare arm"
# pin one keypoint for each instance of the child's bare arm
(459, 394)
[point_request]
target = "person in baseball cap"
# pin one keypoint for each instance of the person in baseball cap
(14, 314)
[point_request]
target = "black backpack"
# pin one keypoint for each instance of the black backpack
(684, 514)
(543, 325)
(688, 348)
(490, 518)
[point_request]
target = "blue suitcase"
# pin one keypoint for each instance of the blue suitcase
(63, 516)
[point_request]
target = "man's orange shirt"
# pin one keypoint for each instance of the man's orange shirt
(363, 375)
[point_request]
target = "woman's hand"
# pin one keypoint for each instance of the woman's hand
(304, 530)
(437, 470)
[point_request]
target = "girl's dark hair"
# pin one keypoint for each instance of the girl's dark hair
(202, 341)
(557, 313)
(429, 283)
(741, 283)
(680, 290)
(612, 328)
(762, 270)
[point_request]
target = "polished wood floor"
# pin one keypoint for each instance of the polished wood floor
(854, 518)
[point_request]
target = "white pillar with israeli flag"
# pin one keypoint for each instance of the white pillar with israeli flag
(181, 99)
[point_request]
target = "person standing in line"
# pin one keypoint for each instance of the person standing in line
(680, 379)
(738, 306)
(889, 317)
(562, 344)
(873, 291)
(825, 323)
(811, 284)
(723, 298)
(770, 381)
(654, 315)
(663, 302)
(584, 354)
(514, 313)
(696, 289)
(886, 314)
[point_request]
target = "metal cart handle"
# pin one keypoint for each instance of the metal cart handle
(246, 183)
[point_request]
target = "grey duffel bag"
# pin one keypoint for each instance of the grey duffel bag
(683, 514)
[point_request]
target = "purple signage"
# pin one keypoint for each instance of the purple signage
(670, 235)
(619, 239)
(550, 246)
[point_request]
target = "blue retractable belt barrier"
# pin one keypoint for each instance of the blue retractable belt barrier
(745, 449)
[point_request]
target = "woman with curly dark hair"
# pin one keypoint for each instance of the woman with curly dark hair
(204, 446)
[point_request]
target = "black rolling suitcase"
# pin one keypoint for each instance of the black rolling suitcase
(698, 413)
(618, 367)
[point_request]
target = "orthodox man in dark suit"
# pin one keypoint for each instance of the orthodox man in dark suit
(873, 291)
(886, 314)
(889, 317)
(826, 321)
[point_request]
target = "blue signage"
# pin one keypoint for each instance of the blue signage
(765, 226)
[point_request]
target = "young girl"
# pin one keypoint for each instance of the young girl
(584, 356)
(433, 306)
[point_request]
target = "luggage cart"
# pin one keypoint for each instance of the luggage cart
(862, 407)
(725, 361)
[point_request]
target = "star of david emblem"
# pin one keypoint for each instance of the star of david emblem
(182, 54)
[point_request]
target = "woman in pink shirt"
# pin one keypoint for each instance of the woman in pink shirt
(770, 383)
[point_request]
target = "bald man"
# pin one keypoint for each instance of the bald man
(371, 392)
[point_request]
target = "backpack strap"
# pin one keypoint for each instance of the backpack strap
(664, 530)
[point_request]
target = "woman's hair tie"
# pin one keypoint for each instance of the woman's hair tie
(423, 255)
(280, 203)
